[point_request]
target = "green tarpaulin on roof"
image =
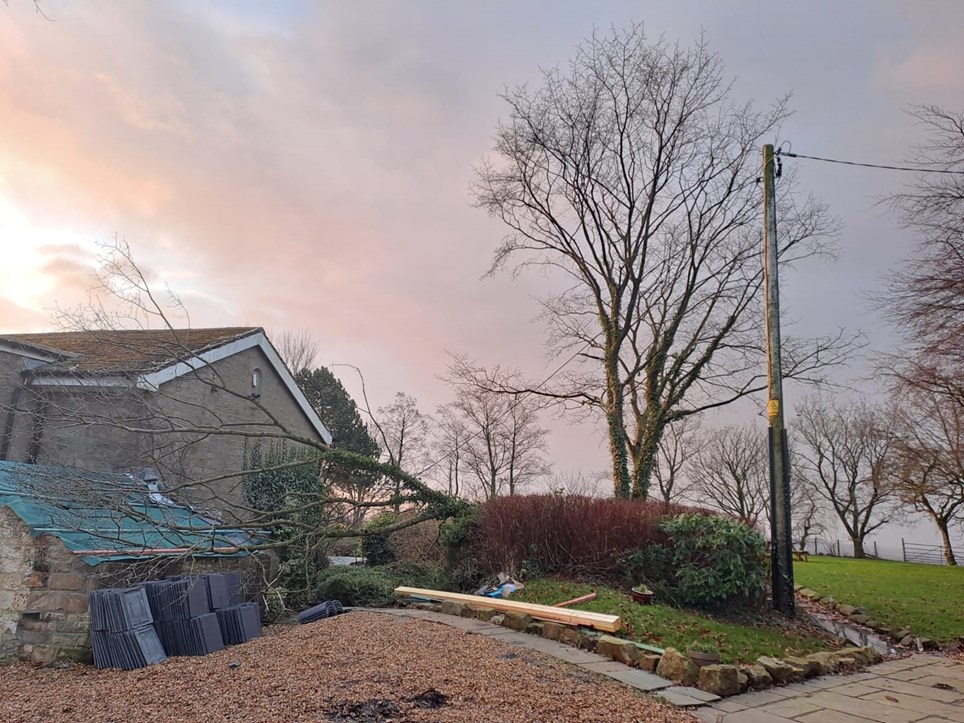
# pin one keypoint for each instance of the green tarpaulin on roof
(111, 514)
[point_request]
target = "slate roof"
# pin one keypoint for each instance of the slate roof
(125, 351)
(108, 513)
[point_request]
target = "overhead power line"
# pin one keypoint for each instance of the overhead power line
(885, 167)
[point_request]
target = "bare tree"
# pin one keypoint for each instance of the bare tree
(403, 431)
(730, 473)
(930, 459)
(848, 451)
(298, 349)
(449, 441)
(632, 179)
(808, 508)
(505, 447)
(578, 483)
(925, 297)
(677, 445)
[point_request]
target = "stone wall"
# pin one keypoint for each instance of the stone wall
(43, 600)
(16, 564)
(43, 589)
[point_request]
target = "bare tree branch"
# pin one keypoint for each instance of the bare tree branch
(298, 349)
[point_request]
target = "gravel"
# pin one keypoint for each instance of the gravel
(356, 667)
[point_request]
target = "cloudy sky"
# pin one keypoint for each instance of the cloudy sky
(306, 165)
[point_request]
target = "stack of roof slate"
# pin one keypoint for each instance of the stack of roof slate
(239, 623)
(321, 611)
(122, 633)
(191, 615)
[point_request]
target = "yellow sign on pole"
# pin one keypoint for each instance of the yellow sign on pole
(773, 407)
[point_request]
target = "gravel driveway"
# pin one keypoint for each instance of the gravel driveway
(356, 667)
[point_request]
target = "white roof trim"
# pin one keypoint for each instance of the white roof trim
(153, 380)
(28, 350)
(72, 381)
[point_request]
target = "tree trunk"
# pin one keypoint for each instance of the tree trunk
(645, 450)
(946, 540)
(643, 466)
(616, 426)
(858, 547)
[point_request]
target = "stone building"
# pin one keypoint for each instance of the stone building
(65, 532)
(187, 404)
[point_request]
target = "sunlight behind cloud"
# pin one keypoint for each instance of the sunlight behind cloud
(33, 256)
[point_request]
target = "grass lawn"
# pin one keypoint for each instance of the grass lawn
(666, 626)
(928, 599)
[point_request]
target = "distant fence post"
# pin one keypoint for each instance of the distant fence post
(903, 549)
(838, 548)
(875, 550)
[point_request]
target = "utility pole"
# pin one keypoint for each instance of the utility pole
(781, 545)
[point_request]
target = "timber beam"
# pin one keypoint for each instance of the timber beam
(599, 621)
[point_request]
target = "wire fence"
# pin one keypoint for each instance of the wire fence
(905, 552)
(928, 554)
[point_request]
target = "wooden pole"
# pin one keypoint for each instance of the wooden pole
(576, 600)
(781, 544)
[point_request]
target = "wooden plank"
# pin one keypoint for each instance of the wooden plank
(599, 621)
(575, 600)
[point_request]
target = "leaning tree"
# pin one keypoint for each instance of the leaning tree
(290, 497)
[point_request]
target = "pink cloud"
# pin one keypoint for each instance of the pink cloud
(311, 171)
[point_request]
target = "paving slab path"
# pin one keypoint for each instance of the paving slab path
(924, 688)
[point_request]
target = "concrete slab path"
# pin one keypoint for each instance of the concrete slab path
(925, 688)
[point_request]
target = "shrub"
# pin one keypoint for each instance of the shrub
(362, 586)
(419, 543)
(561, 534)
(278, 486)
(717, 562)
(456, 536)
(374, 586)
(300, 565)
(276, 602)
(457, 533)
(374, 545)
(652, 565)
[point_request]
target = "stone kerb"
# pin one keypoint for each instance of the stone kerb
(860, 616)
(720, 680)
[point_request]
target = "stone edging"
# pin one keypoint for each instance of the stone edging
(721, 679)
(859, 616)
